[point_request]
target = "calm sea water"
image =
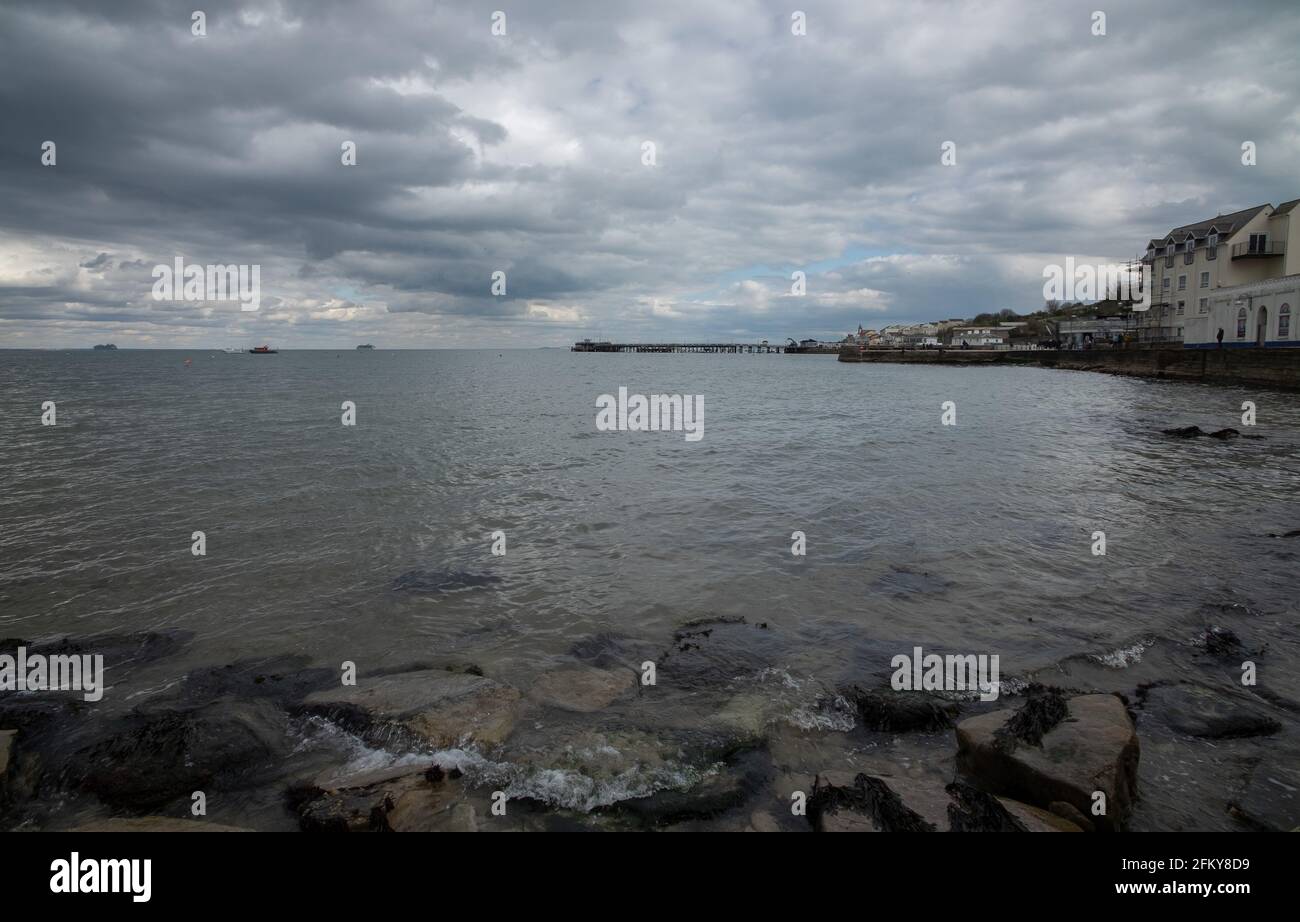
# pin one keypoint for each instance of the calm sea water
(972, 538)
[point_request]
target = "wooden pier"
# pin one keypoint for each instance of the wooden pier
(588, 345)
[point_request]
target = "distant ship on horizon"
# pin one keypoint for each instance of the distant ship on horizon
(365, 347)
(106, 346)
(263, 350)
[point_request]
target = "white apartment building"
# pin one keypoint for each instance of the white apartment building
(1236, 272)
(979, 337)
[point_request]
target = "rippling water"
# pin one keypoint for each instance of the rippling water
(973, 538)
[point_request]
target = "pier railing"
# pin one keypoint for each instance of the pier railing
(590, 346)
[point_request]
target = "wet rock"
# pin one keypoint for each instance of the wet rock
(286, 679)
(708, 655)
(845, 821)
(1095, 748)
(607, 651)
(431, 802)
(1037, 717)
(31, 714)
(433, 706)
(892, 711)
(719, 792)
(154, 824)
(158, 756)
(1036, 820)
(402, 801)
(762, 821)
(422, 581)
(1289, 534)
(1222, 643)
(972, 810)
(1196, 710)
(462, 819)
(345, 811)
(424, 810)
(1270, 800)
(7, 738)
(338, 779)
(120, 651)
(582, 689)
(1068, 812)
(870, 798)
(1192, 432)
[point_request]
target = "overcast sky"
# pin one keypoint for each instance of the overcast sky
(774, 152)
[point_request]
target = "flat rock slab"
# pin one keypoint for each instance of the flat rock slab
(411, 802)
(439, 707)
(1095, 748)
(1208, 713)
(155, 824)
(582, 689)
(1036, 820)
(843, 801)
(1270, 800)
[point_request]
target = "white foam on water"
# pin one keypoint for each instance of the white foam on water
(814, 709)
(1123, 657)
(834, 714)
(560, 787)
(569, 788)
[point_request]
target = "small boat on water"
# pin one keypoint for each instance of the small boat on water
(231, 350)
(263, 350)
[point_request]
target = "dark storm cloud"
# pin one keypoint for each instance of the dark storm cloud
(522, 153)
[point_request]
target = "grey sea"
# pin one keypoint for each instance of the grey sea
(372, 545)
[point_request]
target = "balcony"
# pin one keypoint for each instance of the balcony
(1259, 250)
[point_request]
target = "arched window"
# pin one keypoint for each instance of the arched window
(1241, 323)
(1284, 322)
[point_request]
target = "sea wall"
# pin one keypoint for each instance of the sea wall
(1275, 368)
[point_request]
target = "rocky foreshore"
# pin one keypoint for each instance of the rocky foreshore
(726, 738)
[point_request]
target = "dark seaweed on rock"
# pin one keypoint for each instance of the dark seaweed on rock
(1034, 720)
(869, 796)
(900, 711)
(973, 810)
(285, 678)
(697, 630)
(159, 756)
(1222, 643)
(1192, 432)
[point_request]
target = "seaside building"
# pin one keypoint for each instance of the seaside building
(1256, 314)
(1233, 272)
(1090, 332)
(986, 336)
(921, 336)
